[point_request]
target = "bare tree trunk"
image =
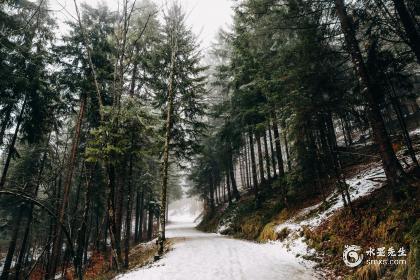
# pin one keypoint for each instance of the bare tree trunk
(247, 165)
(286, 147)
(232, 177)
(165, 159)
(5, 122)
(25, 239)
(216, 196)
(112, 223)
(253, 166)
(134, 73)
(277, 144)
(273, 158)
(150, 221)
(88, 236)
(337, 170)
(409, 26)
(346, 142)
(81, 233)
(129, 209)
(119, 210)
(392, 167)
(167, 210)
(348, 128)
(89, 57)
(260, 156)
(223, 186)
(57, 243)
(139, 215)
(267, 156)
(241, 170)
(212, 206)
(229, 193)
(12, 245)
(11, 149)
(406, 135)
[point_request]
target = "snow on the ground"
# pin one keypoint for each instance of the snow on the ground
(210, 256)
(362, 184)
(227, 222)
(415, 132)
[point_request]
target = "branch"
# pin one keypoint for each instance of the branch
(88, 51)
(25, 197)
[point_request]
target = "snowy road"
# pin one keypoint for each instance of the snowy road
(208, 256)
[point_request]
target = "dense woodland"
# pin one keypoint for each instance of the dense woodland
(86, 124)
(295, 83)
(98, 126)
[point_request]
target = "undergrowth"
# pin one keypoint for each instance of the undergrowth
(378, 223)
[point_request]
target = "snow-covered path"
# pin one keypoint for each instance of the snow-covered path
(208, 256)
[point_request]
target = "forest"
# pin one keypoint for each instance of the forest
(297, 103)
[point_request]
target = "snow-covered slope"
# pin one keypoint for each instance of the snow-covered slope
(364, 183)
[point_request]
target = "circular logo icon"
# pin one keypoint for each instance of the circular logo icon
(351, 257)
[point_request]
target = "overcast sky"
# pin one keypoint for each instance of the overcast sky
(206, 17)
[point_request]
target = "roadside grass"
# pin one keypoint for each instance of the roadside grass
(140, 256)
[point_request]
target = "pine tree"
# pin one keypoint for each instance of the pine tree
(175, 76)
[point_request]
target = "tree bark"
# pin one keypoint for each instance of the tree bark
(286, 148)
(129, 209)
(336, 165)
(406, 135)
(235, 191)
(150, 221)
(165, 159)
(409, 26)
(139, 215)
(134, 73)
(247, 172)
(343, 129)
(392, 167)
(229, 193)
(277, 144)
(5, 122)
(112, 223)
(11, 149)
(241, 170)
(81, 233)
(12, 245)
(212, 206)
(260, 156)
(119, 210)
(216, 192)
(267, 156)
(25, 239)
(57, 243)
(347, 126)
(253, 166)
(273, 158)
